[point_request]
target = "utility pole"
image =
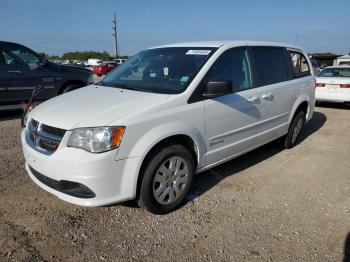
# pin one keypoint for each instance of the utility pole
(114, 34)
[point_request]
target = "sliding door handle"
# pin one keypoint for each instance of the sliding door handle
(267, 96)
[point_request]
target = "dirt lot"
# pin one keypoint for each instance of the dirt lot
(269, 205)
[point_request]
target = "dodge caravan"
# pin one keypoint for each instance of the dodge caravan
(162, 116)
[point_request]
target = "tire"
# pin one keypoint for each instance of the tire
(163, 188)
(71, 88)
(294, 130)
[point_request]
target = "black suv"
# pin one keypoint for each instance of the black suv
(21, 70)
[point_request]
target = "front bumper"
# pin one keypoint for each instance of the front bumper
(110, 180)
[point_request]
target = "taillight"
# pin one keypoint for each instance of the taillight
(345, 86)
(320, 85)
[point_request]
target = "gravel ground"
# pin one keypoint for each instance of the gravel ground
(269, 205)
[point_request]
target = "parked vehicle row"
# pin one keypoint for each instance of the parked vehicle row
(342, 61)
(162, 116)
(104, 68)
(89, 63)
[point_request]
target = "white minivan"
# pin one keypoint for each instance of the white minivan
(165, 114)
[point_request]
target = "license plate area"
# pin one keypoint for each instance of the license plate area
(332, 87)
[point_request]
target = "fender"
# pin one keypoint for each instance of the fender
(157, 134)
(301, 98)
(160, 132)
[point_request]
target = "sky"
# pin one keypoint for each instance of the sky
(59, 26)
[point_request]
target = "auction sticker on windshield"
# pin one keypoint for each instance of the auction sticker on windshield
(198, 52)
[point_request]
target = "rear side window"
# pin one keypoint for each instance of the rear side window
(270, 65)
(299, 64)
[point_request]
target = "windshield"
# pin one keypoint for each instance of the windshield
(335, 72)
(160, 70)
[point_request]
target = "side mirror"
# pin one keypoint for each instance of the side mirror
(218, 88)
(42, 62)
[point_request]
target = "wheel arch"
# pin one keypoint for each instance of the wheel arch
(173, 132)
(182, 139)
(70, 82)
(302, 104)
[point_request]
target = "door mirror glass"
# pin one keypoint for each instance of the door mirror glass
(218, 88)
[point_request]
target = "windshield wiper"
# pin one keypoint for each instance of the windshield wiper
(127, 87)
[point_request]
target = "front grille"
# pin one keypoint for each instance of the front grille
(68, 187)
(45, 137)
(53, 130)
(34, 124)
(48, 145)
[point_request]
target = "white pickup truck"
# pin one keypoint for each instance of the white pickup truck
(94, 62)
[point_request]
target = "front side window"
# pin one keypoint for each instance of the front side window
(23, 55)
(159, 70)
(335, 72)
(270, 65)
(7, 59)
(232, 65)
(299, 64)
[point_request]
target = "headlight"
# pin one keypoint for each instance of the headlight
(26, 113)
(24, 119)
(96, 139)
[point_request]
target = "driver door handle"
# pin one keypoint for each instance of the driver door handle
(267, 96)
(15, 71)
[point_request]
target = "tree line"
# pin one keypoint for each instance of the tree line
(82, 55)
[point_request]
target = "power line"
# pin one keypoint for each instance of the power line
(114, 34)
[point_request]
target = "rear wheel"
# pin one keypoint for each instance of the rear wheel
(167, 178)
(294, 130)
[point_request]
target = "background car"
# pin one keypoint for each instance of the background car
(22, 70)
(333, 84)
(120, 60)
(104, 68)
(342, 61)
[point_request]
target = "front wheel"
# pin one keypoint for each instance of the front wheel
(294, 130)
(167, 178)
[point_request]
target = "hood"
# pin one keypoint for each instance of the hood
(71, 68)
(93, 106)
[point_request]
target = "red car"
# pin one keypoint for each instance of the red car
(103, 69)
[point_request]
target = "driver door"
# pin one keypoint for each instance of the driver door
(232, 120)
